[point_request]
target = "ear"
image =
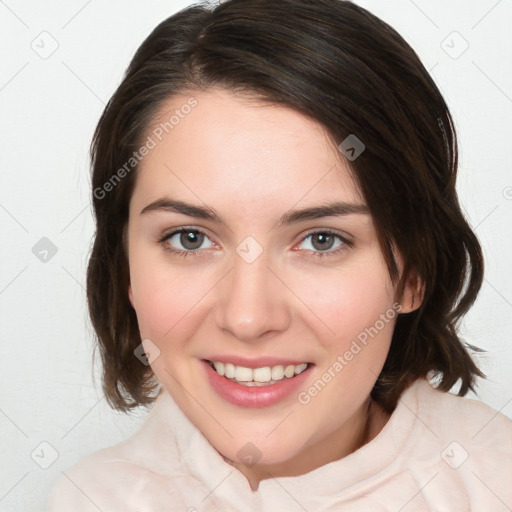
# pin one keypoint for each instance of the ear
(130, 295)
(412, 296)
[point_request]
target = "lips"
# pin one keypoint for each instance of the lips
(251, 393)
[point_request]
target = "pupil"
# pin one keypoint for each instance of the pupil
(325, 241)
(191, 239)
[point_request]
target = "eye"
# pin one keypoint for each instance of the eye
(326, 243)
(190, 240)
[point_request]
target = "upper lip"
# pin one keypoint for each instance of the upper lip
(257, 362)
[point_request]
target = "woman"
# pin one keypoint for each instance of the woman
(280, 262)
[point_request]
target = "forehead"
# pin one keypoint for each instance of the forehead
(242, 154)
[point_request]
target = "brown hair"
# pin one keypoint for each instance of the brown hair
(340, 65)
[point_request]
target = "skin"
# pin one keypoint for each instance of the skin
(252, 162)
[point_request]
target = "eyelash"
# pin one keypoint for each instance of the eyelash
(346, 244)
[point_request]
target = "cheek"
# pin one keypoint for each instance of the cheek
(165, 298)
(346, 302)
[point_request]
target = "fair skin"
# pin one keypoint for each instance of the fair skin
(253, 162)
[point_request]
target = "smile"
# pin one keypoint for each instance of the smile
(262, 386)
(264, 376)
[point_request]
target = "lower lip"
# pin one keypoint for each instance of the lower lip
(254, 396)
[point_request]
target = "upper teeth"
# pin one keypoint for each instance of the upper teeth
(265, 374)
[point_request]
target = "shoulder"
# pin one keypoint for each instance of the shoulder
(466, 418)
(461, 446)
(146, 471)
(132, 471)
(91, 483)
(110, 480)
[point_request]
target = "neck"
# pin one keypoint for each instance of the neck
(359, 430)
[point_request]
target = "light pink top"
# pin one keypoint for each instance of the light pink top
(438, 452)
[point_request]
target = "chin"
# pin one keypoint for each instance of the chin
(257, 449)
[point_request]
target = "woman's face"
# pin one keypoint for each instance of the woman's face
(264, 289)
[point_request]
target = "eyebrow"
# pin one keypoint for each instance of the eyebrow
(335, 209)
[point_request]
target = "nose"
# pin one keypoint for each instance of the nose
(253, 301)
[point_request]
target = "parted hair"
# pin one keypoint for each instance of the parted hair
(340, 65)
